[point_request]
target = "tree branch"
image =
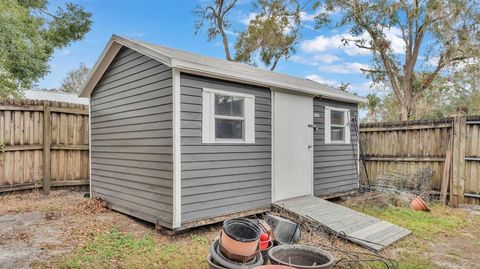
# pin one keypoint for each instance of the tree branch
(372, 70)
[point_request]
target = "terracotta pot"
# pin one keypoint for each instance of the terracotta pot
(240, 237)
(419, 204)
(245, 249)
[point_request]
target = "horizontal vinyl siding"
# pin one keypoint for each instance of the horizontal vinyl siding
(224, 178)
(334, 165)
(131, 133)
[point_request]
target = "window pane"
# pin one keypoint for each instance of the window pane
(228, 105)
(229, 129)
(337, 133)
(337, 117)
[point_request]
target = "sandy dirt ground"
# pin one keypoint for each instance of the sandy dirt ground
(34, 229)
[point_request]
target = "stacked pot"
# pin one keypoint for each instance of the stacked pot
(238, 245)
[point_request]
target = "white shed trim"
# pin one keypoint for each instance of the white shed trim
(208, 117)
(328, 125)
(90, 147)
(177, 155)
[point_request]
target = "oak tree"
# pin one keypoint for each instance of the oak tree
(29, 34)
(436, 35)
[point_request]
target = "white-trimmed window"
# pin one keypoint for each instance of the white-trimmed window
(228, 117)
(337, 128)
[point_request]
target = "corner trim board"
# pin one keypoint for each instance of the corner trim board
(177, 162)
(272, 128)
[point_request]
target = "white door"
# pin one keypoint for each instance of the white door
(292, 145)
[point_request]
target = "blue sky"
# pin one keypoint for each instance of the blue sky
(320, 55)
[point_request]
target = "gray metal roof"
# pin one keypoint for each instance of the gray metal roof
(208, 66)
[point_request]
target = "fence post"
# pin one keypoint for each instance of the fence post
(458, 162)
(47, 139)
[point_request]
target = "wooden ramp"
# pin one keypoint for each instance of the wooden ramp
(357, 227)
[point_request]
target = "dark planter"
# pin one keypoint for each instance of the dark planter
(220, 260)
(301, 257)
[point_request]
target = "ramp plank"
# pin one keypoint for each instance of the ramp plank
(357, 227)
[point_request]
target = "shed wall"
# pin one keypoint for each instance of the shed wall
(220, 179)
(334, 164)
(131, 136)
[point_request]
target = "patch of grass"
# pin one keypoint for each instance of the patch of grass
(408, 261)
(115, 249)
(199, 239)
(425, 225)
(108, 249)
(413, 261)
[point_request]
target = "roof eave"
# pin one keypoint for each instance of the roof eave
(116, 42)
(210, 71)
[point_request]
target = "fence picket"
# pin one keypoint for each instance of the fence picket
(28, 140)
(408, 146)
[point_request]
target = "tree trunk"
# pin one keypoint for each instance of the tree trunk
(403, 112)
(224, 38)
(407, 109)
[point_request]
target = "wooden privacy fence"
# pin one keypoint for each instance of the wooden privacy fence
(411, 146)
(44, 144)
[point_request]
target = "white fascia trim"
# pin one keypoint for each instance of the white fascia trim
(254, 79)
(177, 155)
(108, 54)
(100, 67)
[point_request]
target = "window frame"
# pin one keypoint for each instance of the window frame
(209, 117)
(328, 125)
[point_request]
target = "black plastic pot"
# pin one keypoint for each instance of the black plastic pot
(242, 230)
(265, 253)
(301, 257)
(212, 265)
(219, 260)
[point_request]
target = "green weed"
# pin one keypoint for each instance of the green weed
(425, 225)
(116, 249)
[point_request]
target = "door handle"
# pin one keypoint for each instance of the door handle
(313, 126)
(310, 146)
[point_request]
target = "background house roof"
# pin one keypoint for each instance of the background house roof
(212, 67)
(51, 95)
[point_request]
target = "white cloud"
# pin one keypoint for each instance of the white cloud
(362, 87)
(246, 19)
(304, 16)
(321, 80)
(394, 35)
(344, 68)
(326, 58)
(316, 59)
(323, 43)
(232, 33)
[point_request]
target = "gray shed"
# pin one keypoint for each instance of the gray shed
(182, 140)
